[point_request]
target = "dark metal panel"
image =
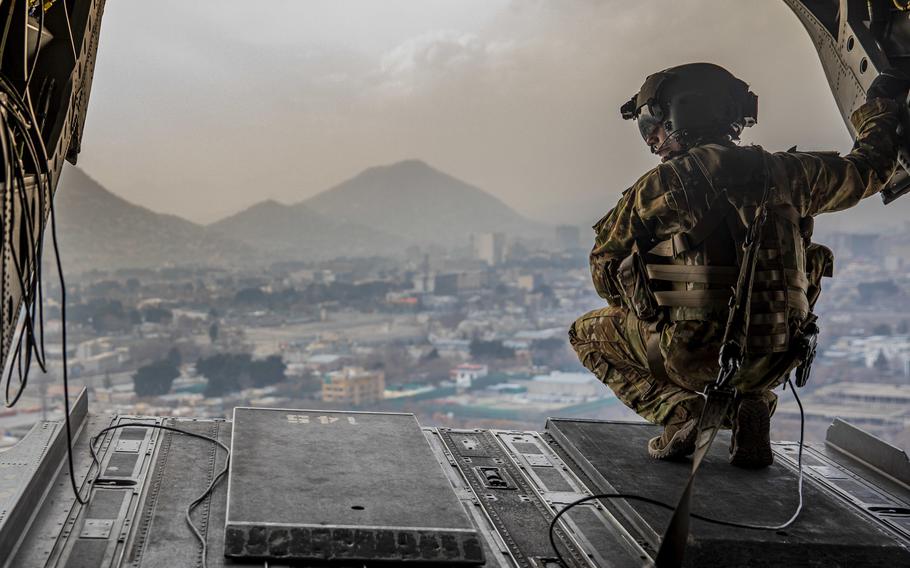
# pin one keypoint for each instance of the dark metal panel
(872, 494)
(827, 533)
(133, 433)
(592, 527)
(341, 485)
(496, 553)
(121, 465)
(87, 553)
(521, 520)
(105, 504)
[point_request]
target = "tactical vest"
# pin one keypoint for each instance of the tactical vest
(691, 276)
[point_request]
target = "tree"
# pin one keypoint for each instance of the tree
(173, 357)
(881, 362)
(481, 349)
(155, 379)
(213, 331)
(108, 316)
(267, 371)
(155, 314)
(225, 372)
(881, 329)
(231, 372)
(250, 296)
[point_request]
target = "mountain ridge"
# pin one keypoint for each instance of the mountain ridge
(101, 230)
(420, 203)
(297, 232)
(380, 211)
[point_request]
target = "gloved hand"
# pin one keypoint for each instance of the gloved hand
(891, 83)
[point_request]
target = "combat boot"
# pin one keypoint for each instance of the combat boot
(680, 432)
(750, 445)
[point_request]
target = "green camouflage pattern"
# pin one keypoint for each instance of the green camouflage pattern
(610, 342)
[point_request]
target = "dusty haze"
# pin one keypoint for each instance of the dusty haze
(203, 108)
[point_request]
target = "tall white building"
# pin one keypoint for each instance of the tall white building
(489, 247)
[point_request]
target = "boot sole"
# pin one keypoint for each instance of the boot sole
(751, 441)
(681, 445)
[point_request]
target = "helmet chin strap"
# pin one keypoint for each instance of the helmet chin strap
(681, 138)
(671, 136)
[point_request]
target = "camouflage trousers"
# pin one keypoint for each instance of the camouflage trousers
(612, 343)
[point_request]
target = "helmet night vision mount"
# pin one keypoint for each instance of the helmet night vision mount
(693, 101)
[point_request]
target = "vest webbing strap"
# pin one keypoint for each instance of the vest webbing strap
(719, 297)
(788, 213)
(764, 341)
(722, 275)
(695, 274)
(770, 296)
(693, 298)
(795, 279)
(768, 319)
(655, 357)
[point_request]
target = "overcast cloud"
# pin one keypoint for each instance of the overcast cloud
(203, 108)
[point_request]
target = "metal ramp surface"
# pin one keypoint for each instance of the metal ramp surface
(831, 531)
(341, 486)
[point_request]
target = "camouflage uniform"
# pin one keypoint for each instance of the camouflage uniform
(612, 342)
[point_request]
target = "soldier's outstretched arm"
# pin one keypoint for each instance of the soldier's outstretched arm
(825, 182)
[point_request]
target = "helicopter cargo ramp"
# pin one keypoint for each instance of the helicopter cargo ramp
(466, 497)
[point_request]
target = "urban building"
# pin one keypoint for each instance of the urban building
(562, 386)
(529, 282)
(489, 247)
(870, 405)
(466, 373)
(891, 351)
(453, 283)
(353, 386)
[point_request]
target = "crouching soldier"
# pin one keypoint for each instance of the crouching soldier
(667, 257)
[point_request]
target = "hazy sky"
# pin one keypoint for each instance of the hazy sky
(203, 108)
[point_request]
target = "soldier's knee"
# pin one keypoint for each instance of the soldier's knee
(595, 325)
(579, 332)
(573, 333)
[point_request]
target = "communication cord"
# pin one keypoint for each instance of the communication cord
(662, 504)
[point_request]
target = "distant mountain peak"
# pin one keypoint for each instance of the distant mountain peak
(267, 205)
(404, 169)
(100, 230)
(415, 163)
(415, 201)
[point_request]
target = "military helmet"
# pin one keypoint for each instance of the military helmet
(692, 102)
